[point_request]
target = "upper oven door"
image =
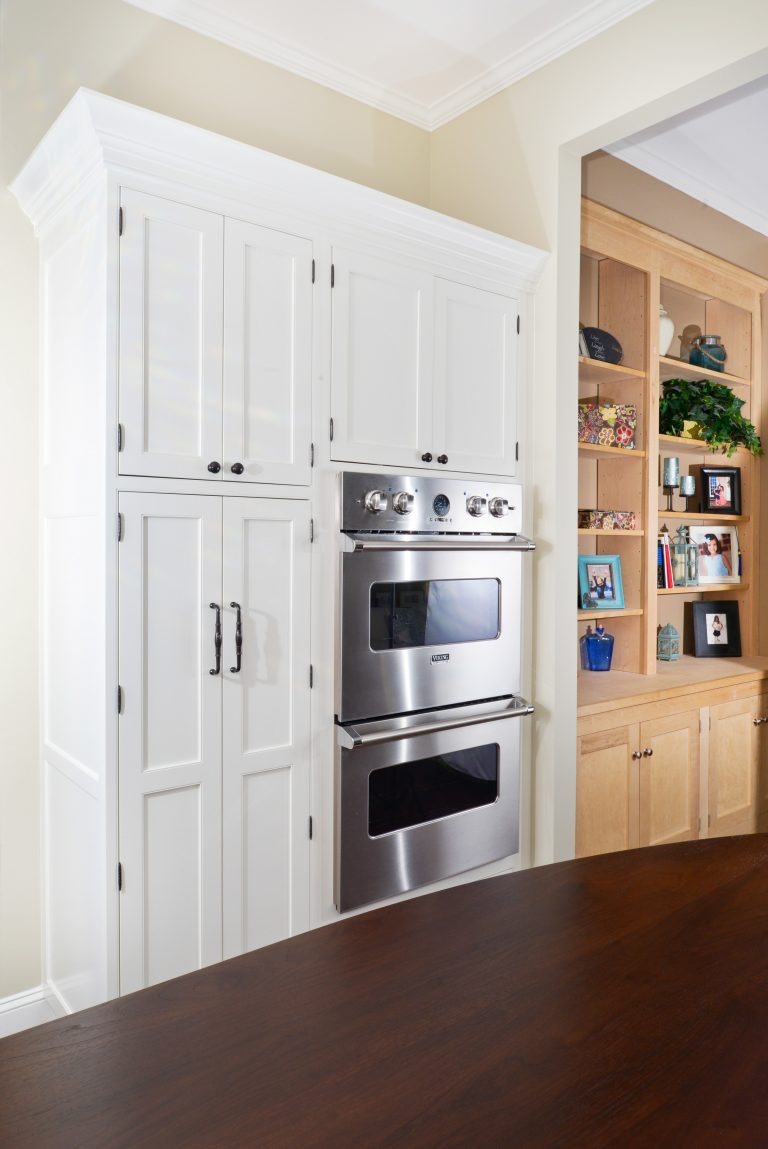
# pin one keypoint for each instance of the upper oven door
(425, 629)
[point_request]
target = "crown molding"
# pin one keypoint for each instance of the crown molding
(205, 17)
(96, 134)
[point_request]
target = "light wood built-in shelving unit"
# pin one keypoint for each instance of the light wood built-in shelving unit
(628, 270)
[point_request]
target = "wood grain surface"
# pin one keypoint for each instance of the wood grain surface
(612, 1001)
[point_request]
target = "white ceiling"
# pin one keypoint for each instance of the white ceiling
(425, 61)
(715, 153)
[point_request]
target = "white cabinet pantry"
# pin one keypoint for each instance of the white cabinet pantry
(206, 310)
(424, 369)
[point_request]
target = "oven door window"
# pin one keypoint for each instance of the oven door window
(438, 612)
(412, 793)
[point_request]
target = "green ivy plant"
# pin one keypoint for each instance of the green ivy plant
(715, 408)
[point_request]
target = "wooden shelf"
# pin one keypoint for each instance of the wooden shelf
(706, 589)
(616, 534)
(598, 449)
(676, 443)
(670, 368)
(701, 517)
(615, 612)
(595, 371)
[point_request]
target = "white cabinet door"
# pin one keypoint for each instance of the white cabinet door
(266, 722)
(267, 354)
(382, 336)
(170, 368)
(475, 413)
(170, 737)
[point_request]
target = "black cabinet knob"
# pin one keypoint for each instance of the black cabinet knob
(427, 457)
(214, 467)
(237, 468)
(442, 458)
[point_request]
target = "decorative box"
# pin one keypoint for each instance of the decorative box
(608, 520)
(610, 425)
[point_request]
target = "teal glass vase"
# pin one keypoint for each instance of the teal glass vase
(708, 352)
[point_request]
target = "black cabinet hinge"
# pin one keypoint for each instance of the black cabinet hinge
(119, 700)
(119, 527)
(310, 827)
(119, 876)
(311, 454)
(518, 325)
(311, 676)
(119, 436)
(120, 222)
(313, 271)
(333, 276)
(311, 530)
(517, 452)
(331, 429)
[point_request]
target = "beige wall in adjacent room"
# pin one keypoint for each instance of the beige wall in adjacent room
(48, 49)
(513, 164)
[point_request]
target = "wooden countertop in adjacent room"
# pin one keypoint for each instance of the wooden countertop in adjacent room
(620, 1001)
(616, 689)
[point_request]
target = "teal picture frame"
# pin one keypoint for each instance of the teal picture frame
(600, 585)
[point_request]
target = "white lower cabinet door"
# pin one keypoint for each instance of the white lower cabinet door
(266, 722)
(170, 737)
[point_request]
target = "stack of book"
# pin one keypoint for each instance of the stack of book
(664, 579)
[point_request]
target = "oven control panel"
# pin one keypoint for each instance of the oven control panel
(411, 504)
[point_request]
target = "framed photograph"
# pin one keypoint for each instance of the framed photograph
(716, 631)
(720, 489)
(718, 547)
(600, 585)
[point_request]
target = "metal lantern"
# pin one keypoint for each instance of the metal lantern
(668, 643)
(685, 559)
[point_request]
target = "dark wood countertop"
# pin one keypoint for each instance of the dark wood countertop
(613, 1001)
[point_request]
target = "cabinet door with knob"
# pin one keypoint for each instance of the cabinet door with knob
(669, 779)
(736, 737)
(607, 774)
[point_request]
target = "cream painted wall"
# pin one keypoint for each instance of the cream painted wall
(48, 49)
(512, 164)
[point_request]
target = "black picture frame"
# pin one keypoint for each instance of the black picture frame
(720, 490)
(716, 629)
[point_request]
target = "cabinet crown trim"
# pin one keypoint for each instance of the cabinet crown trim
(96, 131)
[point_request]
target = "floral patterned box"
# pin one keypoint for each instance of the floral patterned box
(608, 520)
(608, 424)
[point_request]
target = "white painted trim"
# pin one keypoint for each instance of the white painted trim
(22, 1010)
(202, 16)
(96, 131)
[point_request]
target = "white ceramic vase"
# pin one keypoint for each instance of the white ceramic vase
(666, 331)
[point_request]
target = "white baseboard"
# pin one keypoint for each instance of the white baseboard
(31, 1007)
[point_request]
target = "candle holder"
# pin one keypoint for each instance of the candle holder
(670, 478)
(687, 489)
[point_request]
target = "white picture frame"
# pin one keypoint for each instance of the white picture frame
(718, 546)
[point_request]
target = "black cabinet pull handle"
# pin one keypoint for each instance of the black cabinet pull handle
(238, 639)
(426, 457)
(237, 468)
(217, 638)
(214, 467)
(442, 458)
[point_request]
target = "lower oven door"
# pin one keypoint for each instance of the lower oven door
(421, 799)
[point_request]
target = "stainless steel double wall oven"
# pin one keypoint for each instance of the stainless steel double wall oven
(428, 768)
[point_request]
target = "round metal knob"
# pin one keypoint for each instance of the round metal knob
(214, 467)
(426, 457)
(648, 753)
(499, 507)
(237, 468)
(403, 502)
(637, 754)
(442, 458)
(476, 505)
(375, 502)
(757, 721)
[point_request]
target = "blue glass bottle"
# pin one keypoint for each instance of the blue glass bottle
(708, 352)
(598, 649)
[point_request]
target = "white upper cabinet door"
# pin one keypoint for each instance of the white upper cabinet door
(267, 355)
(475, 414)
(170, 369)
(382, 340)
(266, 722)
(170, 737)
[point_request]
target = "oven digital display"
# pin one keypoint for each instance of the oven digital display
(439, 612)
(416, 792)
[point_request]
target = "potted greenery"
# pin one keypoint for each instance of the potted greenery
(714, 408)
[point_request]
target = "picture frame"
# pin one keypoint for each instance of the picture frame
(718, 546)
(716, 629)
(600, 585)
(719, 490)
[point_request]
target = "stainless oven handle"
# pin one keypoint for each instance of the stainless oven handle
(351, 737)
(358, 541)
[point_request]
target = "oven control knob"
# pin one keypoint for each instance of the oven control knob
(403, 502)
(375, 502)
(499, 507)
(476, 505)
